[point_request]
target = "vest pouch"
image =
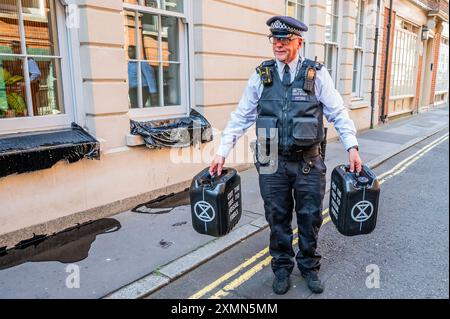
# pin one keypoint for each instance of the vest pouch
(304, 130)
(267, 138)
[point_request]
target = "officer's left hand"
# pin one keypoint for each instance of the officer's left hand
(354, 160)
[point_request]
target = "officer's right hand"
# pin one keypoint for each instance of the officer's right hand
(217, 165)
(355, 161)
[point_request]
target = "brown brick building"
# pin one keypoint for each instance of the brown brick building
(417, 63)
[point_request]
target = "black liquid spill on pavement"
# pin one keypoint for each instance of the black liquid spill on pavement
(69, 246)
(164, 204)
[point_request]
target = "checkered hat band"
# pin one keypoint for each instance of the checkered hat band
(280, 25)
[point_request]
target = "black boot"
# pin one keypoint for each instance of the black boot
(313, 281)
(281, 283)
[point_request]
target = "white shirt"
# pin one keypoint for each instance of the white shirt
(246, 112)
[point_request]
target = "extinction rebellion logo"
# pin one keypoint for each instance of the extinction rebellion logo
(362, 211)
(204, 211)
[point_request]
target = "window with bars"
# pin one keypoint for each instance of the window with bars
(297, 10)
(404, 58)
(155, 41)
(331, 37)
(30, 60)
(358, 56)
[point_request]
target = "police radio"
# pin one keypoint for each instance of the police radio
(310, 78)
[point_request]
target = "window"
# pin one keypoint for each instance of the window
(358, 65)
(404, 56)
(331, 37)
(297, 10)
(442, 71)
(156, 44)
(31, 64)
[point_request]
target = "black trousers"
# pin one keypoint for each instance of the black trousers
(287, 189)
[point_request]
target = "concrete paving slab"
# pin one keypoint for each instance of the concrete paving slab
(196, 257)
(140, 288)
(379, 147)
(260, 222)
(388, 136)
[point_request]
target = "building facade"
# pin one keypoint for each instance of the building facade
(417, 63)
(103, 63)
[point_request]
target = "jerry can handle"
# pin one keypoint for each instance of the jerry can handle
(347, 169)
(214, 177)
(359, 179)
(209, 179)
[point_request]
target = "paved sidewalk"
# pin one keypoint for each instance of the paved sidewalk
(156, 246)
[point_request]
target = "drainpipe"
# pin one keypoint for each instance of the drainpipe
(388, 41)
(374, 70)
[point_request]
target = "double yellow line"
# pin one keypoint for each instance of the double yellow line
(245, 276)
(397, 169)
(400, 167)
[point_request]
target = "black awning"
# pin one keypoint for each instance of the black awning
(179, 132)
(27, 152)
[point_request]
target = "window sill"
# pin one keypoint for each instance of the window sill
(27, 152)
(134, 140)
(157, 113)
(178, 132)
(358, 103)
(400, 97)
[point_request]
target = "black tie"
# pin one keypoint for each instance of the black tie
(286, 76)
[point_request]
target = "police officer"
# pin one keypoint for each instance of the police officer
(290, 95)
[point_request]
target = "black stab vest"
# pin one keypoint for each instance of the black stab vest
(296, 114)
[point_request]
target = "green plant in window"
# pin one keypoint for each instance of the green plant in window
(14, 79)
(8, 79)
(16, 102)
(3, 101)
(10, 101)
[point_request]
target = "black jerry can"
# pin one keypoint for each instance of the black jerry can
(216, 204)
(354, 200)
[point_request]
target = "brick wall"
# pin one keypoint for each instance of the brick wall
(419, 76)
(443, 5)
(436, 46)
(435, 5)
(383, 59)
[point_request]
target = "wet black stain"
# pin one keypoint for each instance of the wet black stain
(69, 246)
(179, 224)
(35, 240)
(165, 244)
(164, 204)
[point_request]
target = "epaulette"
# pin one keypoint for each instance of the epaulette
(312, 63)
(268, 63)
